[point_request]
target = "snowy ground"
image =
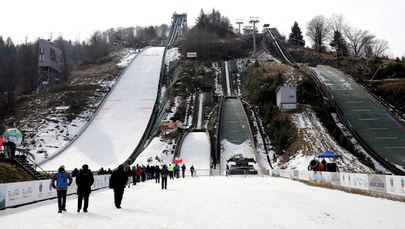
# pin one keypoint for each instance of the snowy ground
(215, 202)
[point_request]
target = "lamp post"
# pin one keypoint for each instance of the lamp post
(254, 20)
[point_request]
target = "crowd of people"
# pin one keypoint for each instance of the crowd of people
(118, 181)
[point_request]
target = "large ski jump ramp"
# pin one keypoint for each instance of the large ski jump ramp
(121, 120)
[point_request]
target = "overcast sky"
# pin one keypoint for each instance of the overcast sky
(77, 19)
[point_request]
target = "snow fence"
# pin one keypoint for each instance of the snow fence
(387, 186)
(20, 193)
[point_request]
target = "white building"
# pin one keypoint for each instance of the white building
(286, 98)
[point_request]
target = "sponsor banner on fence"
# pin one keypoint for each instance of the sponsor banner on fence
(12, 194)
(3, 191)
(43, 190)
(354, 180)
(377, 183)
(20, 193)
(395, 185)
(322, 177)
(285, 173)
(304, 175)
(335, 178)
(275, 172)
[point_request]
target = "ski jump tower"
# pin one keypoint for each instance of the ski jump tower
(49, 64)
(180, 20)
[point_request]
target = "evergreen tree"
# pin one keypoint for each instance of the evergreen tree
(339, 44)
(296, 37)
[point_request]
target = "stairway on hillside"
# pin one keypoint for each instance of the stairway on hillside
(23, 163)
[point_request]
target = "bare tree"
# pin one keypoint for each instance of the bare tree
(380, 46)
(356, 38)
(318, 31)
(338, 22)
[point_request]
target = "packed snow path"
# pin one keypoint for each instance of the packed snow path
(215, 202)
(119, 125)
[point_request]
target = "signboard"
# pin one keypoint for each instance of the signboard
(168, 125)
(395, 185)
(377, 183)
(191, 54)
(350, 180)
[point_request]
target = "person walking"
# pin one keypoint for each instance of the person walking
(170, 169)
(177, 170)
(60, 181)
(192, 170)
(134, 177)
(157, 174)
(118, 181)
(164, 173)
(84, 180)
(183, 170)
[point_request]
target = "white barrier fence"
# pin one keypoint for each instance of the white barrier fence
(13, 194)
(387, 184)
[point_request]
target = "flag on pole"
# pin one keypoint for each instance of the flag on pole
(177, 161)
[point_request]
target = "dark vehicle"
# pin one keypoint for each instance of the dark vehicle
(241, 165)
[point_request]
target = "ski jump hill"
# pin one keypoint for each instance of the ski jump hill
(121, 120)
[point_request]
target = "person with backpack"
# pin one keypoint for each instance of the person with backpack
(84, 180)
(60, 181)
(164, 174)
(118, 181)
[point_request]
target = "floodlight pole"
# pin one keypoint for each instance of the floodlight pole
(239, 22)
(254, 20)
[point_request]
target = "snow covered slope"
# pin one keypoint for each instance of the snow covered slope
(120, 123)
(196, 151)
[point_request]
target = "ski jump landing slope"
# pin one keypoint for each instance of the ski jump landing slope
(121, 120)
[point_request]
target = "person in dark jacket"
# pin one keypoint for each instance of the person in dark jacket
(118, 181)
(192, 170)
(84, 180)
(164, 174)
(75, 172)
(134, 178)
(183, 170)
(157, 174)
(60, 181)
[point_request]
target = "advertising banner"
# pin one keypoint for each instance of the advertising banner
(285, 173)
(354, 180)
(20, 193)
(377, 183)
(3, 191)
(335, 178)
(395, 185)
(304, 175)
(43, 190)
(321, 177)
(275, 172)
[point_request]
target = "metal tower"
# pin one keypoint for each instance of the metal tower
(254, 20)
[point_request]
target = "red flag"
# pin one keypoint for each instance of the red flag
(178, 161)
(1, 143)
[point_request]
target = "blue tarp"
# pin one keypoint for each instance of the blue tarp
(327, 153)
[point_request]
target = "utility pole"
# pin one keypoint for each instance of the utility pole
(239, 22)
(254, 20)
